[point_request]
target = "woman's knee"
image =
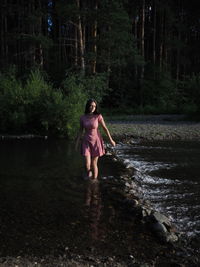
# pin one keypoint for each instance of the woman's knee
(94, 161)
(87, 162)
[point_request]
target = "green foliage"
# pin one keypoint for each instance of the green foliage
(160, 94)
(48, 36)
(45, 106)
(189, 108)
(193, 89)
(75, 99)
(77, 89)
(190, 91)
(12, 113)
(38, 107)
(116, 28)
(96, 86)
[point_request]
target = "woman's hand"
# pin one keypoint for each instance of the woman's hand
(112, 142)
(107, 132)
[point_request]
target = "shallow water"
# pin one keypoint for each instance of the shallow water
(48, 208)
(168, 175)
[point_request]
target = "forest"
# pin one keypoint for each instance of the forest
(132, 56)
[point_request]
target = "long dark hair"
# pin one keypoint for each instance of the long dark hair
(87, 106)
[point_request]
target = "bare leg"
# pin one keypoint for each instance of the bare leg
(95, 167)
(88, 166)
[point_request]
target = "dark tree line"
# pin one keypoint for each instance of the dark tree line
(147, 49)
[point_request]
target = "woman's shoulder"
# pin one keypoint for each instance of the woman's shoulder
(96, 116)
(99, 116)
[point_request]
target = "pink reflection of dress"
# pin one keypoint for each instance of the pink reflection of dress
(92, 143)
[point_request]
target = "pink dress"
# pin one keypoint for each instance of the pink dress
(92, 143)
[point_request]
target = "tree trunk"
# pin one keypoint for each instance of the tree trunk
(81, 42)
(142, 52)
(165, 43)
(94, 35)
(154, 32)
(40, 59)
(178, 52)
(32, 58)
(136, 39)
(76, 47)
(178, 57)
(161, 42)
(3, 31)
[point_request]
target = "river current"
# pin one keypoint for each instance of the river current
(168, 176)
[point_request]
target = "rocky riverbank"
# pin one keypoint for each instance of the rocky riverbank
(157, 127)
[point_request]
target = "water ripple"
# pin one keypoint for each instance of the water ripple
(177, 195)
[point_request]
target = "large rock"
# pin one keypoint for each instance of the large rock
(158, 217)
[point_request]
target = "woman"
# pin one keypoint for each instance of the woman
(92, 146)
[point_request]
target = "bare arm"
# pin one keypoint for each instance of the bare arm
(107, 132)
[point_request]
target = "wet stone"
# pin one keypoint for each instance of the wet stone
(159, 228)
(172, 238)
(158, 217)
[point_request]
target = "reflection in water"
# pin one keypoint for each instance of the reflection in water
(41, 199)
(93, 203)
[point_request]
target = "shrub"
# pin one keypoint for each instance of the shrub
(75, 99)
(192, 89)
(46, 106)
(96, 86)
(12, 113)
(38, 107)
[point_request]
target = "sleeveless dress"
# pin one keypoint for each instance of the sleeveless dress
(92, 142)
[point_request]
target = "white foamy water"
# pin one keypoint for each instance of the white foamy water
(168, 175)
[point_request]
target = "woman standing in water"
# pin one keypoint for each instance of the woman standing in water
(92, 146)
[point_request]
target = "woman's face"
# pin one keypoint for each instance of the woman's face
(92, 107)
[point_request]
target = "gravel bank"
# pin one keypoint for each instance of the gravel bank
(157, 127)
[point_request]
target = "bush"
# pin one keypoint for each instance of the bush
(39, 108)
(35, 107)
(75, 99)
(96, 86)
(160, 94)
(189, 95)
(12, 113)
(45, 106)
(77, 89)
(192, 90)
(189, 108)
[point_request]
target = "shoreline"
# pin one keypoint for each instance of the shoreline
(169, 252)
(155, 127)
(147, 127)
(156, 130)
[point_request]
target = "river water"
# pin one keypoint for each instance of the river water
(47, 207)
(168, 175)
